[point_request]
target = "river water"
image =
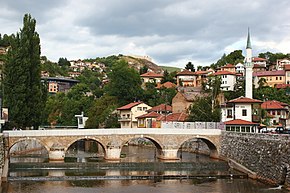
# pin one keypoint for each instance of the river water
(117, 180)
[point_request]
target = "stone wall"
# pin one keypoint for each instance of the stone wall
(1, 151)
(268, 155)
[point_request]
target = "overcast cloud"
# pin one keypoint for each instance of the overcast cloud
(172, 32)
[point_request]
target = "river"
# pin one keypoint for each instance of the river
(39, 178)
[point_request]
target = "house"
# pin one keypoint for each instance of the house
(287, 73)
(241, 108)
(278, 111)
(59, 84)
(272, 77)
(162, 109)
(240, 69)
(173, 117)
(280, 63)
(186, 78)
(239, 125)
(228, 79)
(151, 77)
(184, 98)
(148, 120)
(127, 114)
(228, 67)
(259, 61)
(201, 76)
(258, 68)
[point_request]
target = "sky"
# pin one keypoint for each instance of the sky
(171, 32)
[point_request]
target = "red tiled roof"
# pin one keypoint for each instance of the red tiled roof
(273, 105)
(228, 66)
(239, 122)
(245, 100)
(161, 107)
(185, 72)
(166, 85)
(270, 73)
(150, 115)
(256, 59)
(151, 74)
(223, 72)
(278, 86)
(181, 117)
(287, 67)
(129, 106)
(203, 72)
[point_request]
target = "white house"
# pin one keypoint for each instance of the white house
(228, 79)
(240, 68)
(128, 113)
(241, 108)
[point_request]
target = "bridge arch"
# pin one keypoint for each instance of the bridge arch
(213, 148)
(71, 142)
(158, 145)
(43, 144)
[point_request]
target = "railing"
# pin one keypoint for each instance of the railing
(193, 125)
(123, 131)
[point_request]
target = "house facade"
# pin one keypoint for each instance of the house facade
(272, 77)
(241, 108)
(228, 79)
(186, 78)
(277, 112)
(151, 77)
(127, 115)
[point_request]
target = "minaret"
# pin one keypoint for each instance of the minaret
(249, 69)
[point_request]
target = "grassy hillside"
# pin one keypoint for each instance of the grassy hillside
(170, 69)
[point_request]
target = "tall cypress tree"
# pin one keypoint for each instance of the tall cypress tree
(23, 91)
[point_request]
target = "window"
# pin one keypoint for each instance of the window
(276, 78)
(139, 108)
(288, 74)
(278, 112)
(229, 113)
(273, 112)
(244, 112)
(280, 77)
(144, 108)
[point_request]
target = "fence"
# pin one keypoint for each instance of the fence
(193, 125)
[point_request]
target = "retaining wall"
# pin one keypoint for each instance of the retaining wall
(268, 155)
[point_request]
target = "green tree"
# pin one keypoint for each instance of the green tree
(201, 110)
(101, 113)
(190, 66)
(23, 93)
(124, 83)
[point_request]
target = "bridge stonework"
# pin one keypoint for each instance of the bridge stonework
(167, 141)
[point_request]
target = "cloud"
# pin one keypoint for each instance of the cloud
(171, 32)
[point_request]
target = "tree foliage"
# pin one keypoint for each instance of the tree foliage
(190, 66)
(124, 83)
(23, 91)
(234, 58)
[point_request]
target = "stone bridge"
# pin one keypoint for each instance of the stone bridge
(167, 141)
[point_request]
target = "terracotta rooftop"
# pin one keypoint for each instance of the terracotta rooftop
(179, 117)
(203, 72)
(161, 107)
(223, 72)
(273, 105)
(258, 66)
(287, 67)
(150, 115)
(228, 66)
(270, 73)
(278, 86)
(185, 72)
(239, 122)
(166, 85)
(129, 106)
(257, 59)
(151, 74)
(243, 99)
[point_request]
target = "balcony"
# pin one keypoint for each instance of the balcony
(121, 119)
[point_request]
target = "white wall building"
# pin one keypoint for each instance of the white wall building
(228, 80)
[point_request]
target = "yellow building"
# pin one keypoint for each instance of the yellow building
(272, 78)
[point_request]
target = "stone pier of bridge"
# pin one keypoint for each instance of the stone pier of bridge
(167, 141)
